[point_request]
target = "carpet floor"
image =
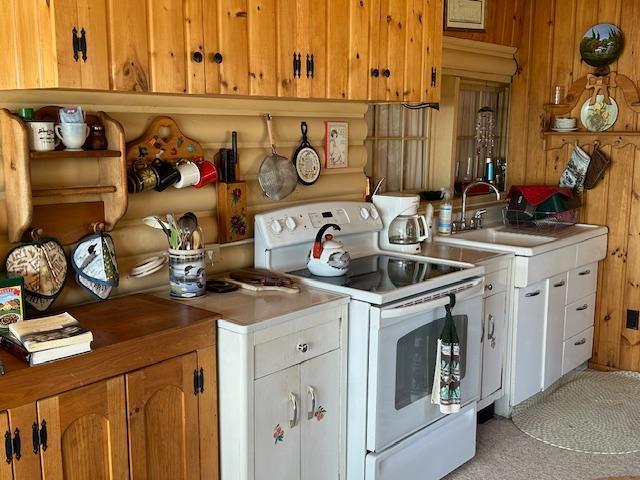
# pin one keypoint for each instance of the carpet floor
(505, 453)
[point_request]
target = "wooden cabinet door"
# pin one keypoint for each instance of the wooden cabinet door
(26, 464)
(493, 343)
(94, 66)
(86, 432)
(208, 414)
(320, 417)
(5, 434)
(163, 420)
(261, 26)
(277, 419)
(338, 49)
(432, 48)
(359, 48)
(414, 50)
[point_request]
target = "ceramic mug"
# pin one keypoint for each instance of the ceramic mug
(42, 137)
(73, 135)
(189, 174)
(167, 174)
(208, 173)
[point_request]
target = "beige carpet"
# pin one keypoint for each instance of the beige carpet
(505, 453)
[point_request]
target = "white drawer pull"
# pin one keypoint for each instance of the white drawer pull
(302, 347)
(312, 395)
(559, 284)
(532, 294)
(585, 272)
(580, 342)
(488, 287)
(583, 307)
(294, 403)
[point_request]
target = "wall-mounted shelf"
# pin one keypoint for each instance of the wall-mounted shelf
(556, 140)
(66, 221)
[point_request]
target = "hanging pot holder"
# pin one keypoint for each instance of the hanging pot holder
(94, 261)
(43, 265)
(597, 166)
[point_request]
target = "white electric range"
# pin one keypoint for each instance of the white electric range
(396, 315)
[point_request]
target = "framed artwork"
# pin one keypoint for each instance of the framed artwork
(465, 14)
(336, 144)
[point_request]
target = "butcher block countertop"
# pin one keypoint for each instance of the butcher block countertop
(129, 333)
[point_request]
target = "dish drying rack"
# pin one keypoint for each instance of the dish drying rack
(539, 220)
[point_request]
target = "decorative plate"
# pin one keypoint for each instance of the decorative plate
(601, 45)
(306, 160)
(600, 116)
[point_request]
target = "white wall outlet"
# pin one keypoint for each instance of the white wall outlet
(213, 253)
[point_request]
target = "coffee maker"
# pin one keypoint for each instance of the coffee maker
(404, 229)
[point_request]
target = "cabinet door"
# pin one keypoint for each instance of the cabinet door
(320, 418)
(163, 420)
(26, 464)
(94, 66)
(277, 421)
(5, 432)
(414, 38)
(493, 343)
(337, 49)
(86, 429)
(359, 46)
(208, 414)
(261, 19)
(233, 46)
(554, 329)
(529, 341)
(432, 48)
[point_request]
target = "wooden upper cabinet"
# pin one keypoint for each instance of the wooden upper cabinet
(337, 49)
(432, 48)
(359, 45)
(59, 43)
(261, 19)
(86, 432)
(163, 420)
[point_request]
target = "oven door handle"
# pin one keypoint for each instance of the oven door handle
(475, 289)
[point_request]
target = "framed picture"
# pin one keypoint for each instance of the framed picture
(465, 14)
(336, 144)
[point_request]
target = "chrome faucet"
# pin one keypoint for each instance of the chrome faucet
(475, 222)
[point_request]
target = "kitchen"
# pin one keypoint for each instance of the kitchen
(323, 378)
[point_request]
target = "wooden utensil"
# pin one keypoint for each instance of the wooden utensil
(261, 276)
(263, 288)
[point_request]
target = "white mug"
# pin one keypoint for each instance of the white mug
(73, 135)
(189, 174)
(42, 136)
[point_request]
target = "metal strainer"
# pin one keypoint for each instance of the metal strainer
(277, 175)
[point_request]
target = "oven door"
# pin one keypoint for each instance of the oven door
(402, 357)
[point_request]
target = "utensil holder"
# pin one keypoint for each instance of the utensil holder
(187, 274)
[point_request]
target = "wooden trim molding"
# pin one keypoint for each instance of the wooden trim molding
(481, 60)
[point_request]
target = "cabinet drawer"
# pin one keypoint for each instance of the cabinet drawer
(577, 350)
(579, 316)
(582, 282)
(295, 348)
(495, 282)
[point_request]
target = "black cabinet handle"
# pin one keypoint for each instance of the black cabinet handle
(197, 56)
(35, 437)
(8, 448)
(295, 65)
(375, 73)
(582, 308)
(217, 58)
(16, 444)
(559, 284)
(75, 41)
(308, 65)
(386, 73)
(298, 70)
(43, 435)
(83, 44)
(532, 294)
(196, 382)
(313, 66)
(201, 380)
(580, 342)
(434, 76)
(585, 272)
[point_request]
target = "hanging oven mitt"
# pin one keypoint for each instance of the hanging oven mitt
(576, 171)
(94, 260)
(598, 164)
(43, 265)
(447, 375)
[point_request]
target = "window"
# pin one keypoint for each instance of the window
(398, 146)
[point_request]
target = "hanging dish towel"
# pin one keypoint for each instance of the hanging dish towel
(446, 380)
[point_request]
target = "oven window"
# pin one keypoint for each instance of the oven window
(416, 359)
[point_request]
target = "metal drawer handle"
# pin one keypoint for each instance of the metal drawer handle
(488, 287)
(492, 328)
(581, 342)
(585, 272)
(312, 395)
(302, 347)
(294, 403)
(559, 284)
(583, 307)
(532, 294)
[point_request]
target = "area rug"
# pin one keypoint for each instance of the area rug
(589, 412)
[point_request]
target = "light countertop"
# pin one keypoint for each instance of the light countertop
(474, 256)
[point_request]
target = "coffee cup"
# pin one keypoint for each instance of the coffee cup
(208, 173)
(189, 174)
(42, 137)
(166, 173)
(73, 135)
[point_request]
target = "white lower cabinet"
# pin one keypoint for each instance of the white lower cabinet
(577, 350)
(493, 343)
(554, 331)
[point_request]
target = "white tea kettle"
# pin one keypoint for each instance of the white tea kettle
(328, 258)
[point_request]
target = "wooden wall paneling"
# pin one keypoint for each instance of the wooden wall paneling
(128, 45)
(194, 45)
(6, 473)
(86, 432)
(208, 411)
(586, 16)
(92, 17)
(359, 75)
(8, 74)
(262, 54)
(394, 13)
(167, 46)
(337, 27)
(21, 420)
(212, 45)
(287, 45)
(234, 46)
(432, 50)
(414, 47)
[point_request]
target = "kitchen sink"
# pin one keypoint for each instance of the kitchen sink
(500, 236)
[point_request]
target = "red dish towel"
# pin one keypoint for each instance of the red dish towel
(536, 194)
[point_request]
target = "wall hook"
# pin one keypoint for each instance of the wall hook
(36, 233)
(98, 227)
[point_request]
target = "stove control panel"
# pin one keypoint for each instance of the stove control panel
(339, 217)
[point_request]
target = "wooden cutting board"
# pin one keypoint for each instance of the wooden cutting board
(233, 224)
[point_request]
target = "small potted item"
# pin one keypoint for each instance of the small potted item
(328, 258)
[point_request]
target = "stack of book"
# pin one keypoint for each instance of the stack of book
(46, 339)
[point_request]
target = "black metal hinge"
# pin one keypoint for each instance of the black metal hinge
(16, 444)
(8, 447)
(75, 41)
(83, 44)
(434, 76)
(198, 381)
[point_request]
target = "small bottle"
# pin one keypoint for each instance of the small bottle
(491, 174)
(446, 213)
(428, 219)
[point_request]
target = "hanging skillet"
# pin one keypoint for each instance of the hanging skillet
(306, 160)
(277, 175)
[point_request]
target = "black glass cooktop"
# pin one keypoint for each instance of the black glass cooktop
(383, 273)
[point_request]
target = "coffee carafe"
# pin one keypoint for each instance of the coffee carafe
(404, 229)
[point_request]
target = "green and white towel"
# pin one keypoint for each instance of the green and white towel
(447, 375)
